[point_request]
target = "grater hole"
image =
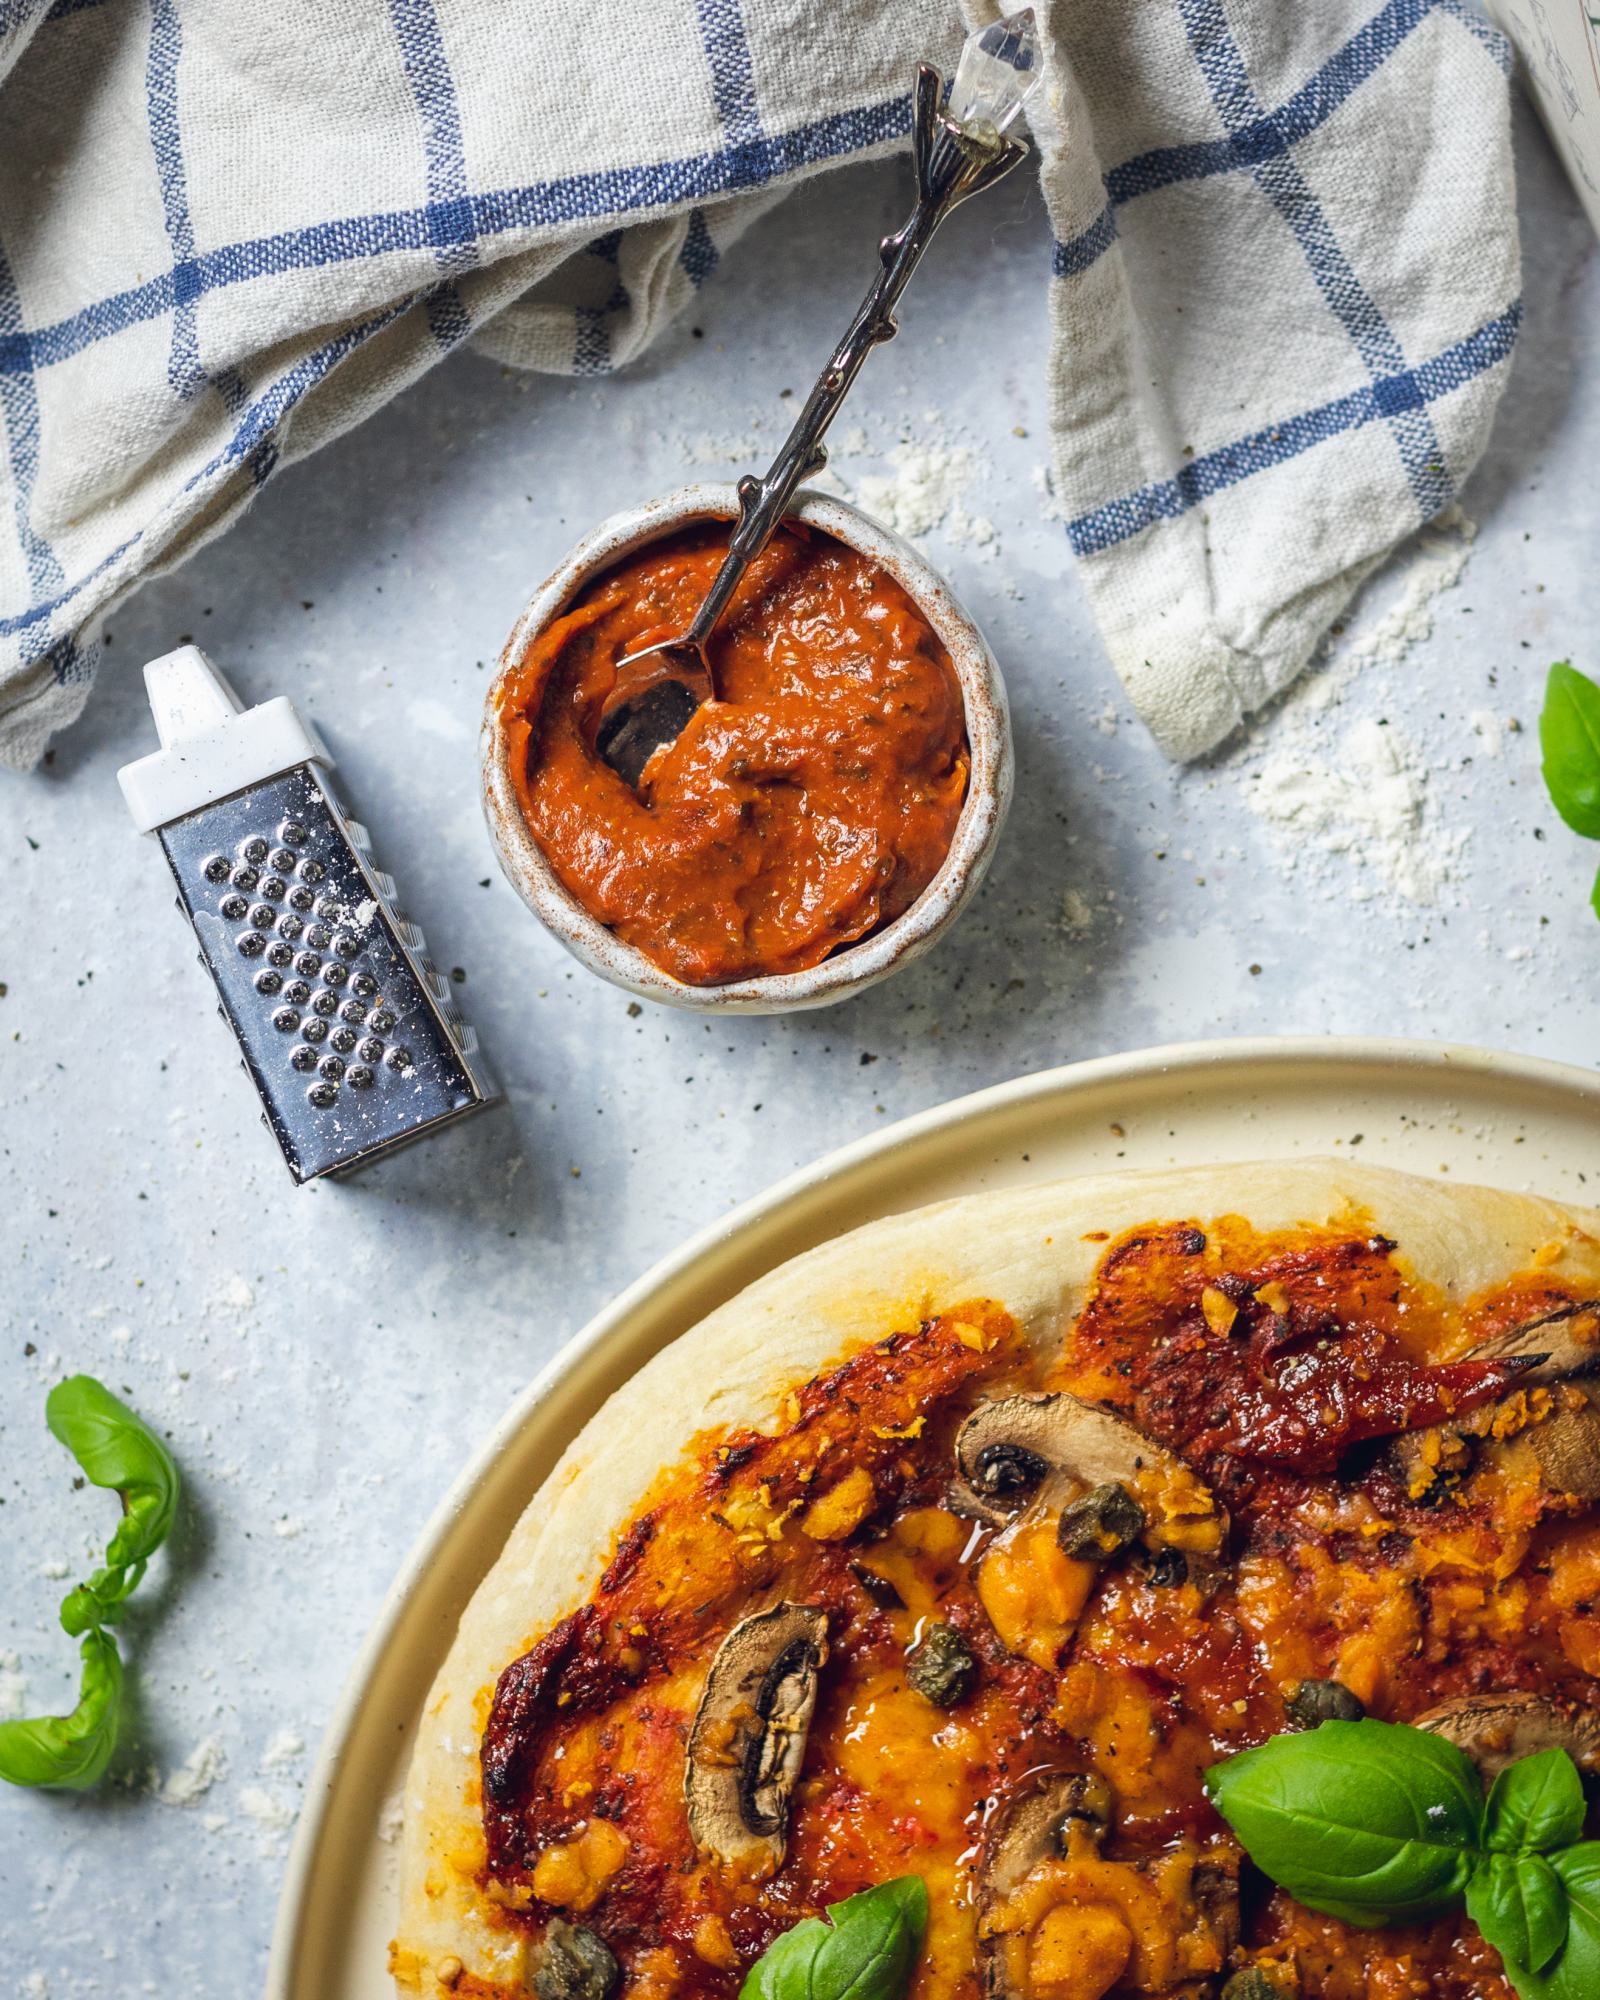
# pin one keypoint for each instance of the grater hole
(328, 908)
(254, 849)
(217, 868)
(364, 984)
(297, 991)
(371, 1050)
(381, 1020)
(278, 954)
(353, 1012)
(317, 937)
(283, 859)
(300, 899)
(308, 963)
(246, 878)
(342, 1039)
(359, 1077)
(262, 916)
(347, 944)
(400, 1059)
(286, 1020)
(268, 982)
(292, 833)
(274, 888)
(310, 869)
(251, 944)
(323, 1002)
(234, 907)
(315, 1031)
(302, 1058)
(334, 973)
(289, 925)
(332, 1067)
(323, 1095)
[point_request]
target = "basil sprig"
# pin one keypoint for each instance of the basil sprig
(1569, 739)
(866, 1952)
(1377, 1823)
(116, 1450)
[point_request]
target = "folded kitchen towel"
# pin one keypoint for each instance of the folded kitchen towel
(1284, 275)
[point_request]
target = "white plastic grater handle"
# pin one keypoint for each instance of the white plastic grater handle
(211, 746)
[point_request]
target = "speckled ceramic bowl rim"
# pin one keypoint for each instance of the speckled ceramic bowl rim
(856, 966)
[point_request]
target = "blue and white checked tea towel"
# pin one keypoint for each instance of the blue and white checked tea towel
(1284, 278)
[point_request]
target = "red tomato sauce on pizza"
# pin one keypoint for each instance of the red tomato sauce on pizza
(812, 802)
(965, 1658)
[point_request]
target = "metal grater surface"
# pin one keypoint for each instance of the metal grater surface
(343, 1022)
(345, 1026)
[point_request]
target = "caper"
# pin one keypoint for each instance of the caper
(1254, 1984)
(1003, 1469)
(1323, 1701)
(1105, 1522)
(575, 1964)
(941, 1669)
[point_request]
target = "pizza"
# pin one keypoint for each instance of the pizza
(964, 1546)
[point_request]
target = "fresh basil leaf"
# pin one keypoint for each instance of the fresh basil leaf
(866, 1952)
(1371, 1822)
(1575, 1972)
(1520, 1904)
(73, 1750)
(1569, 737)
(1537, 1802)
(116, 1448)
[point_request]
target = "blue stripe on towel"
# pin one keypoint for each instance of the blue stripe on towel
(575, 198)
(1350, 66)
(1414, 388)
(1278, 175)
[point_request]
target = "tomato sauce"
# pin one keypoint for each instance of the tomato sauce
(1331, 1571)
(811, 802)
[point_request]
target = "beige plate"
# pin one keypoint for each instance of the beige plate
(1507, 1120)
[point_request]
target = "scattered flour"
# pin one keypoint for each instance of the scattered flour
(1077, 914)
(289, 1527)
(274, 1816)
(200, 1770)
(1439, 556)
(13, 1687)
(1355, 790)
(924, 490)
(231, 1299)
(286, 1748)
(1368, 802)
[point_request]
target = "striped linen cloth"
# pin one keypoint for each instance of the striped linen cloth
(1284, 272)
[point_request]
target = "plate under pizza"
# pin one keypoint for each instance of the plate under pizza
(965, 1545)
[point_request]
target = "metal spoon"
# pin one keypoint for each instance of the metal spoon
(958, 151)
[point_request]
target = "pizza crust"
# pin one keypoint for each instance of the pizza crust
(1025, 1248)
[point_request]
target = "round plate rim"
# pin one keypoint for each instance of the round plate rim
(1178, 1060)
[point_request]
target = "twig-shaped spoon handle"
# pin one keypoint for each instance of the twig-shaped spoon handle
(958, 152)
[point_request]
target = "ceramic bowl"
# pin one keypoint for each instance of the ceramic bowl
(854, 966)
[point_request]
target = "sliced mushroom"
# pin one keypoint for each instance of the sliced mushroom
(575, 1964)
(749, 1736)
(1036, 1828)
(1025, 1452)
(1566, 1443)
(1496, 1729)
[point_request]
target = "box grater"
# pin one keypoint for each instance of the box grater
(346, 1027)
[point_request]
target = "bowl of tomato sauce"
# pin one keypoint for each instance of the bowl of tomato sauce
(817, 825)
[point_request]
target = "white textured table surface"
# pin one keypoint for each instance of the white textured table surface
(1378, 858)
